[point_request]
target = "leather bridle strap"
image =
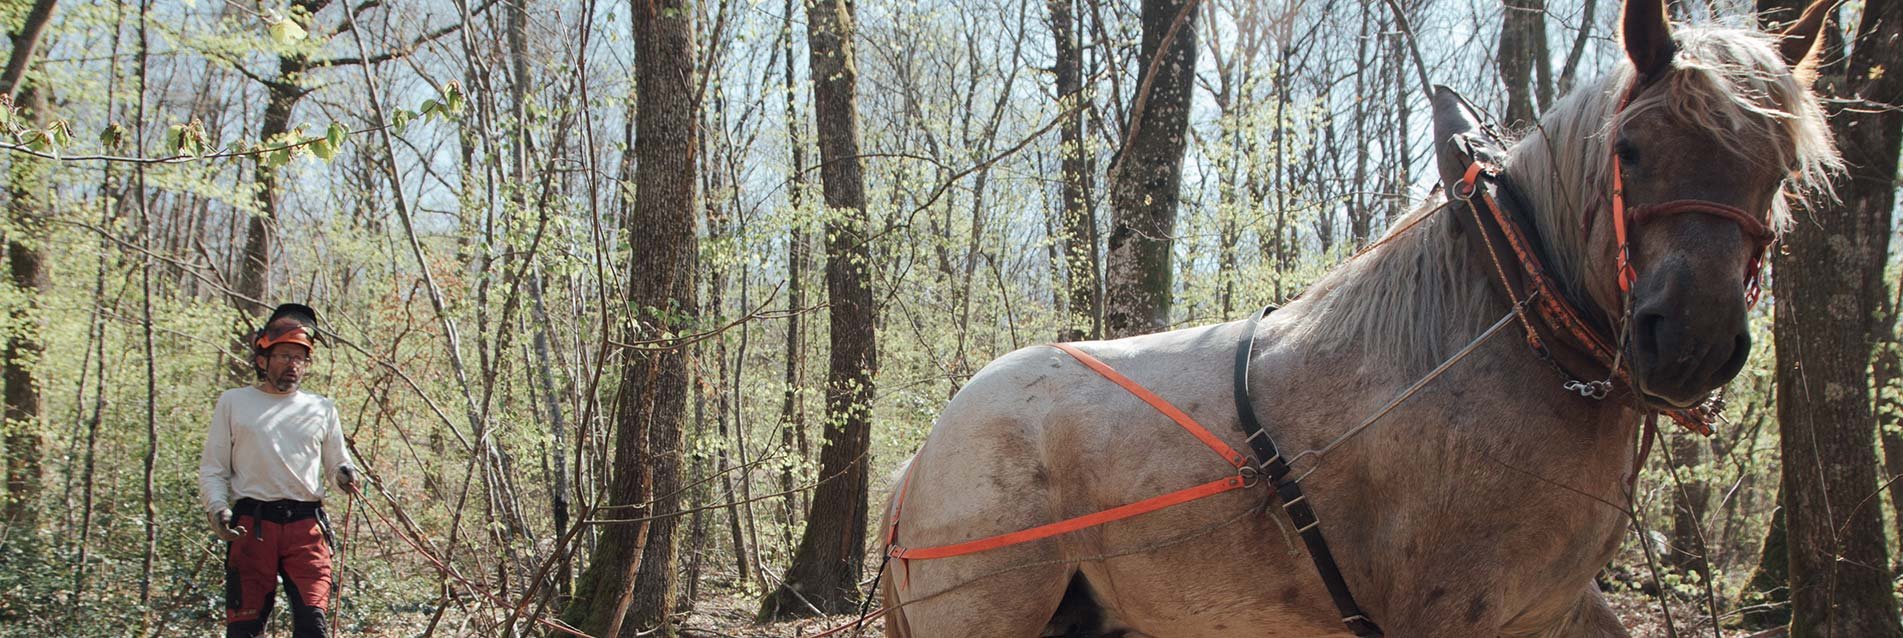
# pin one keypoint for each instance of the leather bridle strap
(1498, 233)
(1753, 227)
(1270, 460)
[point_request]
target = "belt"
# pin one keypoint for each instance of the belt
(280, 512)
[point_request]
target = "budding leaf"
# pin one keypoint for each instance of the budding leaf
(175, 138)
(322, 149)
(113, 137)
(335, 135)
(453, 97)
(286, 32)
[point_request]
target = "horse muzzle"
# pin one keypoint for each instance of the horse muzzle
(1680, 354)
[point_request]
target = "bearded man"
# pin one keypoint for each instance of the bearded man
(272, 450)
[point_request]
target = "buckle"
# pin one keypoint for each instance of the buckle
(1362, 626)
(1249, 475)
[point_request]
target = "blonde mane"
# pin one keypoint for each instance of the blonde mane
(1411, 298)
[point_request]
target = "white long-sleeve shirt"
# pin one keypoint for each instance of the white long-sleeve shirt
(270, 447)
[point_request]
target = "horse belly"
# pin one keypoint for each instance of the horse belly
(1212, 572)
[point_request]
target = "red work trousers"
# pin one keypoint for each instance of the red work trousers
(295, 551)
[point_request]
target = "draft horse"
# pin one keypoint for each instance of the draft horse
(1512, 337)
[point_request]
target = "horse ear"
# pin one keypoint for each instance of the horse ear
(1454, 123)
(1799, 42)
(1648, 37)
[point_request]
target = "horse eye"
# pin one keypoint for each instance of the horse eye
(1626, 151)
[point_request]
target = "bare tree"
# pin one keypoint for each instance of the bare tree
(831, 555)
(1147, 175)
(650, 404)
(1830, 278)
(1080, 216)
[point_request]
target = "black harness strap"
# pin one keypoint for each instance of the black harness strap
(1271, 463)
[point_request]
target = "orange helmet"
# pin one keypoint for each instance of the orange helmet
(289, 323)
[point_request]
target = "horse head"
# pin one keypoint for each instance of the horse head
(1712, 125)
(1657, 191)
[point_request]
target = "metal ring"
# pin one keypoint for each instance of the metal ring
(1250, 476)
(1464, 196)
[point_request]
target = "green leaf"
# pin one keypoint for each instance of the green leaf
(322, 149)
(430, 107)
(400, 119)
(335, 135)
(276, 158)
(175, 138)
(285, 32)
(453, 96)
(113, 137)
(60, 133)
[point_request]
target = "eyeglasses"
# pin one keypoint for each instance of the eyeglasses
(293, 360)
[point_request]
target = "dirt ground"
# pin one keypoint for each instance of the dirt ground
(731, 616)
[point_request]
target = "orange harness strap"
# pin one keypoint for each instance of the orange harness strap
(1066, 526)
(1218, 486)
(1235, 459)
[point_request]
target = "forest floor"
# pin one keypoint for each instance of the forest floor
(730, 615)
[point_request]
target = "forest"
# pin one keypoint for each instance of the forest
(633, 312)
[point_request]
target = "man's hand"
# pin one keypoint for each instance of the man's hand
(347, 479)
(221, 525)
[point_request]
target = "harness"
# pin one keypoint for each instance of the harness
(1267, 461)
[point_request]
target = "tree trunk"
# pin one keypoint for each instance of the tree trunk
(831, 553)
(726, 416)
(1148, 173)
(1688, 508)
(1829, 281)
(651, 400)
(1522, 40)
(1888, 368)
(557, 426)
(26, 42)
(1765, 601)
(1085, 320)
(282, 94)
(1360, 212)
(27, 217)
(792, 418)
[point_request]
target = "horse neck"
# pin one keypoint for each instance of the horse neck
(1406, 305)
(1387, 319)
(1559, 171)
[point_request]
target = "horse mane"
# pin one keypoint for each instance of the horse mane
(1408, 298)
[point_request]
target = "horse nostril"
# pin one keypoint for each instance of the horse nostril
(1646, 331)
(1740, 350)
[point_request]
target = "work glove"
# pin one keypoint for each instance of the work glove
(347, 479)
(222, 527)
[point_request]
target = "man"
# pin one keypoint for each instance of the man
(272, 450)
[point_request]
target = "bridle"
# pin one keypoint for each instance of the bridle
(1623, 217)
(1544, 311)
